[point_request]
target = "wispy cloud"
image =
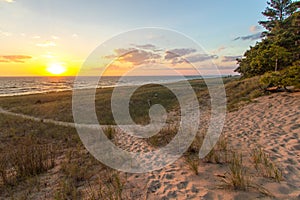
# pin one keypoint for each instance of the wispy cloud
(4, 33)
(145, 46)
(218, 50)
(36, 37)
(54, 37)
(9, 1)
(46, 44)
(230, 58)
(200, 58)
(174, 53)
(255, 36)
(255, 29)
(14, 58)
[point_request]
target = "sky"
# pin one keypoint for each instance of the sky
(55, 37)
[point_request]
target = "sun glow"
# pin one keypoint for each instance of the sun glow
(56, 69)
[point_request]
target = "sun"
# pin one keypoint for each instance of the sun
(56, 69)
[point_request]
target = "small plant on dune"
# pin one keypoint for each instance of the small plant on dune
(110, 186)
(196, 145)
(75, 166)
(67, 190)
(219, 153)
(193, 163)
(263, 163)
(164, 136)
(237, 177)
(110, 132)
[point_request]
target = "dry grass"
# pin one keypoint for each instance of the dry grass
(164, 136)
(240, 92)
(237, 177)
(110, 186)
(29, 158)
(76, 168)
(193, 163)
(67, 190)
(196, 145)
(265, 165)
(220, 153)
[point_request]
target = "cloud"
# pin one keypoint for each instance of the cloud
(54, 37)
(255, 36)
(36, 37)
(222, 67)
(221, 48)
(6, 34)
(255, 29)
(200, 58)
(139, 57)
(145, 46)
(47, 44)
(9, 1)
(230, 58)
(133, 55)
(14, 58)
(174, 53)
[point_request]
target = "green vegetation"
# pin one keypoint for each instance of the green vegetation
(283, 78)
(278, 52)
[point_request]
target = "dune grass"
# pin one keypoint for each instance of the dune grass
(29, 158)
(241, 92)
(109, 187)
(264, 165)
(237, 177)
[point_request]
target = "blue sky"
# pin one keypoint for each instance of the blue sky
(71, 30)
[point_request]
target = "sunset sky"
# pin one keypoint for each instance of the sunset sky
(54, 37)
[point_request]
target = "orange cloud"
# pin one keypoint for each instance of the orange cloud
(14, 58)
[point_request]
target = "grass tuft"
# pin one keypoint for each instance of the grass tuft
(237, 178)
(193, 163)
(264, 164)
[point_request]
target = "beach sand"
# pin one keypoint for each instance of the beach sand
(271, 123)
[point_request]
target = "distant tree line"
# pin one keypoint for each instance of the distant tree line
(277, 56)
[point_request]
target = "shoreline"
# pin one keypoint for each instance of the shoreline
(189, 78)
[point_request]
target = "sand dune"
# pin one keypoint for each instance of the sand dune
(270, 122)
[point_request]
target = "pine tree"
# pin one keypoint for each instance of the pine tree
(276, 12)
